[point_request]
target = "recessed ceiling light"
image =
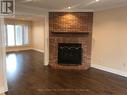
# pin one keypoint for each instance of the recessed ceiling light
(97, 0)
(69, 7)
(28, 0)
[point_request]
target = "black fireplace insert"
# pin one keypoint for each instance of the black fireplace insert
(69, 53)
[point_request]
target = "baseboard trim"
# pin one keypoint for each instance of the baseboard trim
(42, 51)
(2, 90)
(110, 70)
(26, 49)
(18, 50)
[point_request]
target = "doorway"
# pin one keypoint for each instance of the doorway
(22, 57)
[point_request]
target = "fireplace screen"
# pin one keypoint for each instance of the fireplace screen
(69, 53)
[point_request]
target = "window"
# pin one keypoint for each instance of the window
(10, 35)
(17, 35)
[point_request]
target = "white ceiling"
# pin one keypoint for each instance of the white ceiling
(32, 10)
(75, 4)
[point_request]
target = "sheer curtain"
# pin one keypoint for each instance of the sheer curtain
(3, 80)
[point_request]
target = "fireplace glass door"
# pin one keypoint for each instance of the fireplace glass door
(69, 53)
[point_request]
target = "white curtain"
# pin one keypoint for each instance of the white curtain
(3, 80)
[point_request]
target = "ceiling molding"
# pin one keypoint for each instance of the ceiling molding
(112, 7)
(72, 10)
(31, 7)
(31, 14)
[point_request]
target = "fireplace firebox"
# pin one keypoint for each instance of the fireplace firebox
(69, 53)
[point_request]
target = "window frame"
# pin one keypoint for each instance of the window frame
(29, 42)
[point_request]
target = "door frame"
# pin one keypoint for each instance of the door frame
(46, 42)
(46, 53)
(3, 57)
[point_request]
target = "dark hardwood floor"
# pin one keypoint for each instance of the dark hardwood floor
(27, 76)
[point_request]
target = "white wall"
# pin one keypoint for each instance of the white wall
(110, 39)
(3, 81)
(38, 28)
(1, 73)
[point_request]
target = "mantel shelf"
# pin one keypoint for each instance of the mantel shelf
(57, 32)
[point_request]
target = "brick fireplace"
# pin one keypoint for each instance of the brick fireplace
(74, 28)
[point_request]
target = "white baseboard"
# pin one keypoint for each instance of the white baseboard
(111, 70)
(18, 50)
(26, 49)
(42, 51)
(2, 90)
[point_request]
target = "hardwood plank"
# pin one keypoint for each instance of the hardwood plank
(27, 76)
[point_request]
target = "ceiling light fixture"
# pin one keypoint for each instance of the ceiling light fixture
(69, 7)
(29, 0)
(68, 4)
(97, 0)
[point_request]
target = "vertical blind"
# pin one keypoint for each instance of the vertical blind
(17, 35)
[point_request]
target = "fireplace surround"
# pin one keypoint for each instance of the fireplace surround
(54, 45)
(75, 29)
